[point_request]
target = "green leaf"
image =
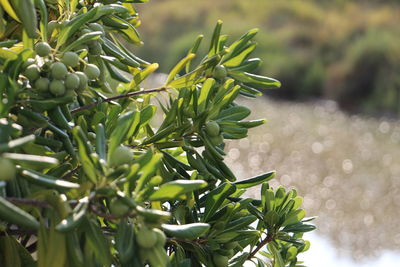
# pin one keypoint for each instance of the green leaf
(278, 261)
(256, 80)
(173, 189)
(178, 67)
(13, 144)
(126, 126)
(47, 181)
(215, 39)
(255, 180)
(97, 242)
(205, 93)
(294, 216)
(186, 231)
(239, 58)
(216, 197)
(87, 37)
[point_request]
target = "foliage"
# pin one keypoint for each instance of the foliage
(87, 177)
(321, 39)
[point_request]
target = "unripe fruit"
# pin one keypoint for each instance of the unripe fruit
(146, 238)
(118, 208)
(28, 62)
(219, 72)
(86, 30)
(220, 260)
(91, 136)
(92, 71)
(52, 25)
(231, 245)
(156, 180)
(83, 80)
(212, 128)
(58, 70)
(70, 59)
(95, 48)
(72, 81)
(161, 238)
(42, 84)
(42, 49)
(57, 87)
(32, 72)
(8, 170)
(216, 140)
(121, 155)
(96, 27)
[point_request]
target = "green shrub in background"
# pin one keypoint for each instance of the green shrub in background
(311, 45)
(87, 179)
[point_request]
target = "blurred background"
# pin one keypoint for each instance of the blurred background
(333, 129)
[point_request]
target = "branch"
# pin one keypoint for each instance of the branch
(30, 202)
(266, 240)
(148, 91)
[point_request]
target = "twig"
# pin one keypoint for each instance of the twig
(266, 240)
(148, 91)
(30, 202)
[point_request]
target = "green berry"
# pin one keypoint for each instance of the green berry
(42, 49)
(70, 59)
(216, 140)
(96, 27)
(95, 48)
(8, 170)
(86, 30)
(92, 71)
(161, 238)
(58, 70)
(28, 62)
(91, 136)
(72, 81)
(146, 238)
(83, 80)
(118, 207)
(212, 128)
(52, 25)
(219, 72)
(231, 245)
(42, 84)
(57, 87)
(32, 72)
(121, 155)
(220, 260)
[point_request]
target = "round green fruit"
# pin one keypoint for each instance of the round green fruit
(161, 238)
(8, 170)
(121, 155)
(118, 207)
(156, 180)
(28, 62)
(32, 72)
(231, 245)
(216, 140)
(146, 238)
(95, 48)
(220, 260)
(42, 84)
(96, 27)
(92, 71)
(57, 87)
(219, 72)
(52, 25)
(72, 81)
(212, 128)
(92, 136)
(83, 80)
(58, 70)
(42, 49)
(70, 59)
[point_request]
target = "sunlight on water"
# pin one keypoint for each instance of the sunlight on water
(346, 167)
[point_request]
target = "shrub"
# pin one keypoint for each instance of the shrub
(87, 179)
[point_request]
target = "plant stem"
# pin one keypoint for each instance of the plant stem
(148, 91)
(266, 240)
(30, 202)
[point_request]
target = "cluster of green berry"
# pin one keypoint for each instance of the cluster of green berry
(151, 242)
(48, 73)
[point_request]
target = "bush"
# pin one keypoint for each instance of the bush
(88, 179)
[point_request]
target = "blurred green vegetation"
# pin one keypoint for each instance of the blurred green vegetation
(347, 51)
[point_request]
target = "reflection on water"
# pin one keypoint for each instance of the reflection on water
(346, 167)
